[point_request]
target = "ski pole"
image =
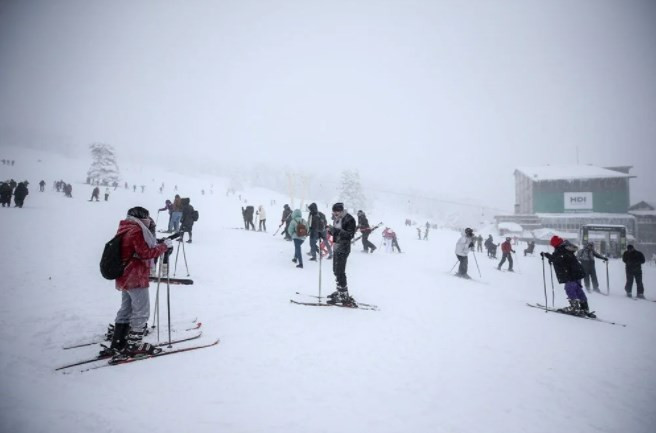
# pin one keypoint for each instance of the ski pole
(168, 307)
(277, 230)
(607, 280)
(156, 313)
(184, 256)
(454, 265)
(320, 260)
(544, 281)
(177, 253)
(553, 296)
(476, 261)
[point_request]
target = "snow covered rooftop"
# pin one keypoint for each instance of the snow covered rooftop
(567, 172)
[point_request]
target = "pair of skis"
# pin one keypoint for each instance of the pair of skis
(554, 310)
(119, 361)
(319, 303)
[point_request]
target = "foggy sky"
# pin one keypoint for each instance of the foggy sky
(450, 95)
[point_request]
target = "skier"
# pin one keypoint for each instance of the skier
(168, 206)
(529, 249)
(248, 217)
(286, 218)
(20, 193)
(479, 243)
(426, 232)
(506, 250)
(633, 260)
(5, 194)
(261, 213)
(365, 229)
(138, 249)
(491, 247)
(317, 228)
(42, 185)
(569, 272)
(95, 194)
(587, 258)
(390, 236)
(106, 194)
(342, 230)
(463, 246)
(187, 220)
(176, 212)
(298, 230)
(419, 233)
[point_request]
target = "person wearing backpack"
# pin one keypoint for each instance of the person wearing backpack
(187, 221)
(138, 248)
(298, 230)
(317, 228)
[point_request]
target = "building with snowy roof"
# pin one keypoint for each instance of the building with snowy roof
(572, 189)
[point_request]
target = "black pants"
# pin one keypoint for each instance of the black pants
(632, 274)
(503, 260)
(248, 222)
(340, 255)
(395, 244)
(462, 269)
(262, 225)
(590, 274)
(366, 245)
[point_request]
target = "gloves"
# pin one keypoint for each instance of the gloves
(542, 255)
(606, 259)
(471, 245)
(168, 243)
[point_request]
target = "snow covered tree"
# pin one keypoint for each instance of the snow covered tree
(104, 167)
(350, 191)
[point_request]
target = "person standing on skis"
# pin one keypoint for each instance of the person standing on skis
(463, 246)
(138, 249)
(342, 230)
(569, 272)
(506, 250)
(587, 258)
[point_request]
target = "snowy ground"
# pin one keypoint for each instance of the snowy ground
(441, 355)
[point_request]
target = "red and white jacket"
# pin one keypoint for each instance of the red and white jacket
(138, 256)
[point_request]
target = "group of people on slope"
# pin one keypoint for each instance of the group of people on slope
(342, 231)
(182, 215)
(570, 268)
(18, 190)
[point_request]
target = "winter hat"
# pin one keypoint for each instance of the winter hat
(508, 239)
(555, 241)
(138, 212)
(312, 207)
(629, 247)
(338, 207)
(469, 231)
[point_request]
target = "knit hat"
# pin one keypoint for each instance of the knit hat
(138, 212)
(338, 207)
(555, 241)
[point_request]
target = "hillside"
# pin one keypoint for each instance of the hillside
(441, 354)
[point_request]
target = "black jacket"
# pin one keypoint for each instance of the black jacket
(633, 259)
(187, 220)
(346, 233)
(363, 223)
(21, 191)
(565, 263)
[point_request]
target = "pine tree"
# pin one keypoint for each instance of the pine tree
(104, 167)
(350, 191)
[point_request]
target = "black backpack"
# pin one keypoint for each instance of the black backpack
(111, 265)
(194, 215)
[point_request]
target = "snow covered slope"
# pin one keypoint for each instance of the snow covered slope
(441, 355)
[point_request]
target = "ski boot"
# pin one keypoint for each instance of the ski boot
(574, 308)
(640, 296)
(585, 310)
(118, 338)
(135, 346)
